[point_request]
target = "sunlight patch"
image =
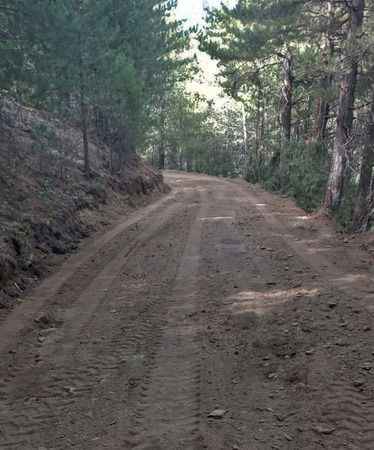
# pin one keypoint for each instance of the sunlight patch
(261, 302)
(209, 219)
(352, 278)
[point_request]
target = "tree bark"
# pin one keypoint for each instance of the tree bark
(323, 110)
(285, 113)
(189, 163)
(344, 121)
(285, 116)
(83, 105)
(161, 149)
(84, 128)
(161, 157)
(323, 106)
(364, 194)
(286, 98)
(245, 132)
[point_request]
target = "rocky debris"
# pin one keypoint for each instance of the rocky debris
(358, 383)
(367, 366)
(323, 429)
(217, 414)
(47, 322)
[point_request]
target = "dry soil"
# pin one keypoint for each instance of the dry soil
(219, 317)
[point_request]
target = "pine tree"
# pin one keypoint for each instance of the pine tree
(101, 61)
(348, 80)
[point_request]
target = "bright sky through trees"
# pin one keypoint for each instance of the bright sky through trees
(206, 83)
(193, 9)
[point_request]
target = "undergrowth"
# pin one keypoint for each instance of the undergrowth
(304, 178)
(302, 174)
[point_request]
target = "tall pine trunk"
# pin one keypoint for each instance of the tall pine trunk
(323, 111)
(84, 128)
(364, 194)
(323, 105)
(259, 133)
(344, 120)
(161, 157)
(83, 109)
(286, 98)
(245, 131)
(161, 148)
(285, 113)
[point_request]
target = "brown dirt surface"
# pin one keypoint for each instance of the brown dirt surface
(47, 206)
(218, 317)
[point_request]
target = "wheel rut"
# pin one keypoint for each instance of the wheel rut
(76, 274)
(348, 411)
(202, 302)
(350, 414)
(81, 363)
(169, 413)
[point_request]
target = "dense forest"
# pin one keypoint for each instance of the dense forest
(107, 66)
(304, 73)
(296, 111)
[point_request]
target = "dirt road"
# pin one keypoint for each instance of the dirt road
(219, 317)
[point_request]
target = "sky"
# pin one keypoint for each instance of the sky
(206, 83)
(193, 9)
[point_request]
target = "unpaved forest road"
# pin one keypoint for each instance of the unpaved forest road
(218, 296)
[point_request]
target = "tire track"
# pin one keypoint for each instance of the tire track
(84, 306)
(169, 413)
(136, 344)
(59, 388)
(74, 275)
(159, 338)
(351, 415)
(347, 408)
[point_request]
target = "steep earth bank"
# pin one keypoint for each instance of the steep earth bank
(47, 206)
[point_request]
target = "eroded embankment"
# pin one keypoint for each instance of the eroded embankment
(47, 206)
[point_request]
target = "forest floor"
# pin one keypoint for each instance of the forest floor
(218, 317)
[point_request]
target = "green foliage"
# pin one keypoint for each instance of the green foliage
(197, 136)
(109, 59)
(304, 176)
(284, 60)
(119, 68)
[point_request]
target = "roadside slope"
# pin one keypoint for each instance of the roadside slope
(47, 206)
